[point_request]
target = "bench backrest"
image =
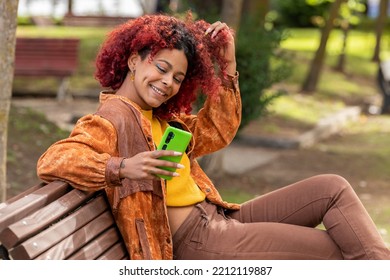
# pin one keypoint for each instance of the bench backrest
(56, 221)
(93, 20)
(46, 56)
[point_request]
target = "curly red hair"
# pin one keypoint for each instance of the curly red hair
(150, 34)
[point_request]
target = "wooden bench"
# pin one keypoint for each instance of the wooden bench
(90, 20)
(56, 221)
(47, 57)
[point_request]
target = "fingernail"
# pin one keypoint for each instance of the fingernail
(207, 31)
(180, 166)
(175, 174)
(177, 153)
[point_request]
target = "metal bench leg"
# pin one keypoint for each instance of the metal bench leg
(386, 104)
(3, 253)
(62, 90)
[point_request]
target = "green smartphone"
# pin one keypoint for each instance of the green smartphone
(174, 139)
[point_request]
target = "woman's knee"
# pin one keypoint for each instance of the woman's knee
(333, 183)
(335, 179)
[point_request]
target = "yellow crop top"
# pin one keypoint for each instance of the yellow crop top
(181, 190)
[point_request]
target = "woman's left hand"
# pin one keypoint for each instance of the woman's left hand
(229, 52)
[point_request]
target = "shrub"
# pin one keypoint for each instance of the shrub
(260, 64)
(24, 21)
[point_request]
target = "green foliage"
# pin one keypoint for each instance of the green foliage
(309, 13)
(299, 13)
(351, 11)
(260, 65)
(207, 10)
(24, 21)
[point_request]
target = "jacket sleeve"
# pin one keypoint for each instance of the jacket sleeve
(216, 124)
(87, 159)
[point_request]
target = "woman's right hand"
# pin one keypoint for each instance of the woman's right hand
(228, 52)
(145, 165)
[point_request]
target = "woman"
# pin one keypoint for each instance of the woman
(155, 66)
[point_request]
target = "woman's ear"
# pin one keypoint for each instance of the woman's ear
(132, 61)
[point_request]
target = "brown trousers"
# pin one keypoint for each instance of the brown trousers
(282, 225)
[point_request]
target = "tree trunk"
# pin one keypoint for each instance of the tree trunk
(8, 14)
(148, 6)
(341, 61)
(311, 81)
(256, 8)
(70, 7)
(231, 13)
(380, 25)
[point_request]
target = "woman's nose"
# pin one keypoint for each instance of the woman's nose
(167, 80)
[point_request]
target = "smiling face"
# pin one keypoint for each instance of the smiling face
(158, 80)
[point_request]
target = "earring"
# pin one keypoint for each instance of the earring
(132, 74)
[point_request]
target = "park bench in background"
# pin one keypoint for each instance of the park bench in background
(56, 221)
(95, 20)
(47, 57)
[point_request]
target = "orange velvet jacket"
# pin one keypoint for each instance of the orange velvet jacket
(89, 159)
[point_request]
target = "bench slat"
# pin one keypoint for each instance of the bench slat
(31, 202)
(27, 72)
(57, 232)
(30, 225)
(35, 66)
(20, 195)
(56, 45)
(31, 51)
(116, 252)
(97, 246)
(74, 242)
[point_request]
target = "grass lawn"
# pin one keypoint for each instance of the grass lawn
(356, 85)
